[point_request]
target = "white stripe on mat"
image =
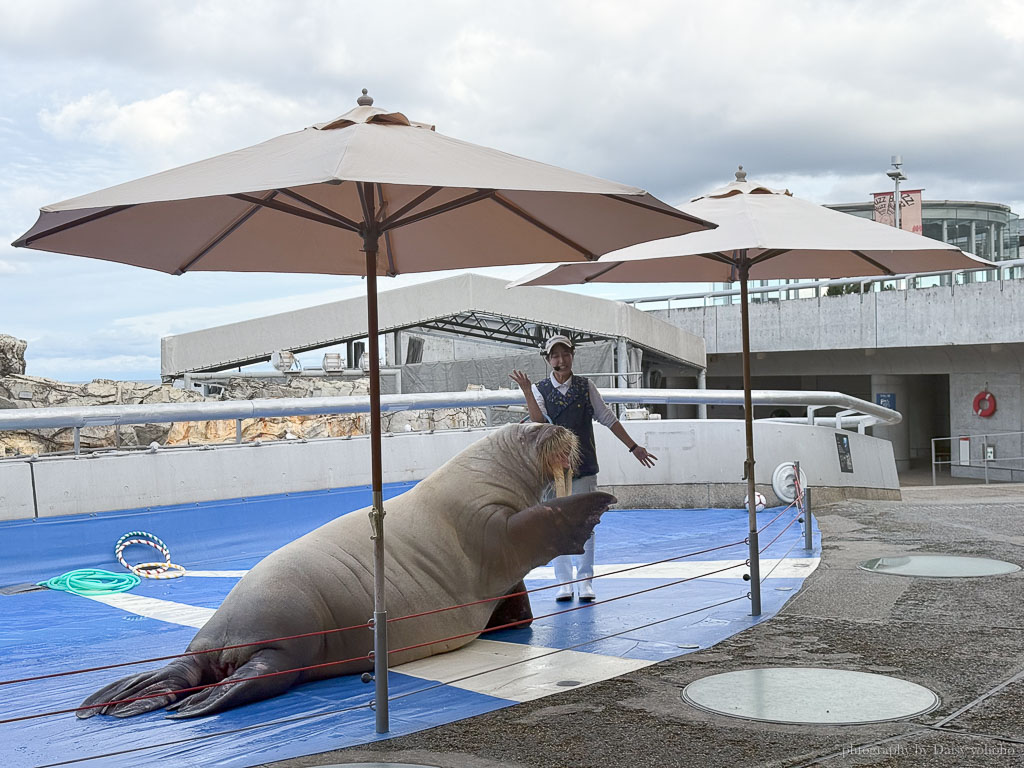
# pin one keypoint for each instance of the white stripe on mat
(531, 679)
(155, 608)
(787, 568)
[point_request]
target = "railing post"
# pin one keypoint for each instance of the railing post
(984, 457)
(238, 430)
(933, 458)
(77, 433)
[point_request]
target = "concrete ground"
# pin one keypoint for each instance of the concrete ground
(961, 638)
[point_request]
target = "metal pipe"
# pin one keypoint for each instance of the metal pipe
(810, 284)
(702, 383)
(219, 376)
(155, 413)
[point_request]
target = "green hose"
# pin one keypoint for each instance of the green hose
(92, 581)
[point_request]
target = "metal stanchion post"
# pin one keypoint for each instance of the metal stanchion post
(808, 538)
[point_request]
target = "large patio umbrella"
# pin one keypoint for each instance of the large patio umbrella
(763, 234)
(369, 193)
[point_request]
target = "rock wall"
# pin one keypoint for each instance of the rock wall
(19, 391)
(12, 355)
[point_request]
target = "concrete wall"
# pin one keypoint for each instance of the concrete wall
(916, 344)
(1008, 389)
(980, 313)
(16, 496)
(700, 464)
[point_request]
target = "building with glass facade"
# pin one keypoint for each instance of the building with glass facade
(989, 230)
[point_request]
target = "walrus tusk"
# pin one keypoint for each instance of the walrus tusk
(563, 482)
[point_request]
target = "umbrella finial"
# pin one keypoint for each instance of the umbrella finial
(364, 100)
(741, 175)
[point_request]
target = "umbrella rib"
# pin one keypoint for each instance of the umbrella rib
(291, 209)
(885, 270)
(322, 208)
(718, 256)
(604, 271)
(70, 224)
(480, 194)
(641, 203)
(410, 205)
(220, 238)
(544, 227)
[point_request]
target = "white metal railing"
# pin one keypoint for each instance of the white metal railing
(964, 456)
(1011, 269)
(853, 410)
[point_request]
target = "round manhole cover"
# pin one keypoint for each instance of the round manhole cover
(938, 566)
(800, 695)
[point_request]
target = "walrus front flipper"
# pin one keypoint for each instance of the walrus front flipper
(513, 609)
(264, 662)
(559, 526)
(178, 675)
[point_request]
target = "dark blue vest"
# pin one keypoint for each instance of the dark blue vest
(574, 412)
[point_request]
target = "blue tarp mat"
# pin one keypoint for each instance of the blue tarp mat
(45, 632)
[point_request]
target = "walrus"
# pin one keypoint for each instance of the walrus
(470, 531)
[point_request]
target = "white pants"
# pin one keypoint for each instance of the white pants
(585, 562)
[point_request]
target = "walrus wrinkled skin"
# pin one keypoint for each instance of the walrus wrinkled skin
(471, 530)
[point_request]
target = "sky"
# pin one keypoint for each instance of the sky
(667, 95)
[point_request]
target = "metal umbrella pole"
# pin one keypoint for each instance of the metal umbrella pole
(743, 265)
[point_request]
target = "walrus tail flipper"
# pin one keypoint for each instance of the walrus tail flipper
(513, 610)
(266, 661)
(157, 687)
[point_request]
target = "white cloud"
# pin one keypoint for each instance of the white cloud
(177, 126)
(669, 96)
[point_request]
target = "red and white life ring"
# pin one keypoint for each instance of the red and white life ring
(984, 404)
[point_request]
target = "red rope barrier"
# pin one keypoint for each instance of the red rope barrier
(560, 584)
(396, 697)
(184, 654)
(567, 610)
(770, 522)
(786, 528)
(354, 626)
(368, 656)
(184, 690)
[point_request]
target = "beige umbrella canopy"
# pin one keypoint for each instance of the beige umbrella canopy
(763, 234)
(299, 203)
(369, 193)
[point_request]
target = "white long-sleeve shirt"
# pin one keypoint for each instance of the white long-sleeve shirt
(602, 413)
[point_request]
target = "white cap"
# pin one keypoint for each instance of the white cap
(550, 343)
